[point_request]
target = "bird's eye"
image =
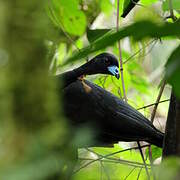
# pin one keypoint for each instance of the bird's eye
(107, 60)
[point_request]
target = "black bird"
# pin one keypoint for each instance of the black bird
(110, 118)
(104, 63)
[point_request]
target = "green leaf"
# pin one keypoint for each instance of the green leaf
(148, 2)
(94, 34)
(67, 15)
(156, 152)
(173, 70)
(168, 169)
(128, 6)
(175, 5)
(74, 23)
(37, 169)
(138, 31)
(106, 6)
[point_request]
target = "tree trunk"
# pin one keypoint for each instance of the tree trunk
(172, 133)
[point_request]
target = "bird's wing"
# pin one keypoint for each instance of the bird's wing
(110, 118)
(121, 118)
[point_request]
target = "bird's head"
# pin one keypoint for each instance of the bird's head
(104, 63)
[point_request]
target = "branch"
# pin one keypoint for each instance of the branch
(101, 157)
(137, 52)
(157, 101)
(117, 152)
(125, 162)
(153, 116)
(149, 105)
(120, 55)
(130, 173)
(145, 165)
(123, 86)
(171, 145)
(62, 28)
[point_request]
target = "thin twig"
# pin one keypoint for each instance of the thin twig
(112, 160)
(127, 161)
(62, 28)
(104, 81)
(123, 86)
(150, 154)
(119, 89)
(120, 54)
(101, 169)
(119, 161)
(106, 173)
(108, 155)
(157, 101)
(139, 173)
(154, 113)
(130, 173)
(149, 105)
(117, 152)
(137, 52)
(147, 172)
(115, 159)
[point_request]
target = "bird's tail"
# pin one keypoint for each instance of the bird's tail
(157, 139)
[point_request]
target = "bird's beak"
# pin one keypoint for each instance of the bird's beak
(117, 76)
(114, 70)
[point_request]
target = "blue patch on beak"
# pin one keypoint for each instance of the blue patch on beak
(114, 70)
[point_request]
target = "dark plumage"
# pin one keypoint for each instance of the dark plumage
(110, 119)
(98, 65)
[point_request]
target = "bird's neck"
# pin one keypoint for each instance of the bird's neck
(83, 70)
(71, 76)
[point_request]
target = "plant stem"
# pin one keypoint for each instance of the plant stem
(120, 55)
(149, 105)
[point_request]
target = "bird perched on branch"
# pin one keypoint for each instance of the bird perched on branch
(109, 118)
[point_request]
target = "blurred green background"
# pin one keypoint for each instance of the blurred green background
(39, 39)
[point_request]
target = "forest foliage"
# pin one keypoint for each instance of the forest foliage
(39, 39)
